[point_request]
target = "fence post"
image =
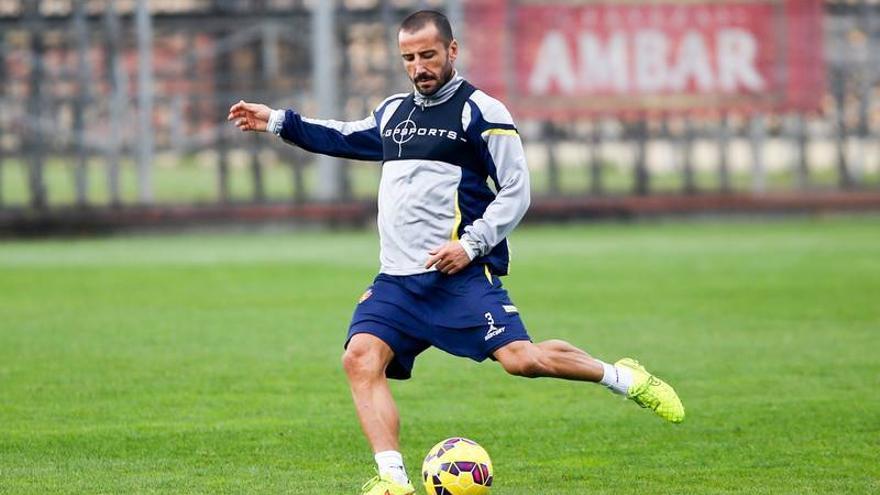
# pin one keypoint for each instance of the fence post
(642, 181)
(324, 59)
(269, 55)
(35, 139)
(117, 79)
(2, 132)
(866, 86)
(194, 95)
(222, 71)
(839, 87)
(872, 61)
(1, 159)
(299, 187)
(723, 149)
(257, 169)
(145, 101)
(687, 169)
(81, 103)
(596, 185)
(803, 168)
(758, 135)
(265, 66)
(552, 142)
(390, 22)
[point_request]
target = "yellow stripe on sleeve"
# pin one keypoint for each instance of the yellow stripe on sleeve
(500, 132)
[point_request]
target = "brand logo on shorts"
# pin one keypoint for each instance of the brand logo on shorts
(493, 330)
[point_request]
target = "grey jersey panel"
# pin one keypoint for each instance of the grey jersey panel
(417, 212)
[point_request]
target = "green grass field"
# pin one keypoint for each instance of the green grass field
(210, 363)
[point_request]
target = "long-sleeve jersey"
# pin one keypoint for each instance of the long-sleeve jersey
(438, 154)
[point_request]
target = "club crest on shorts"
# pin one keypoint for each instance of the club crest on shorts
(366, 295)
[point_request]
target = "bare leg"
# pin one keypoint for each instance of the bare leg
(552, 358)
(365, 361)
(559, 359)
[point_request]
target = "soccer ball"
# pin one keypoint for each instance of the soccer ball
(457, 466)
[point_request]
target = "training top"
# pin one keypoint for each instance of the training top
(437, 155)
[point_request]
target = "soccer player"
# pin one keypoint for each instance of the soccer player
(443, 231)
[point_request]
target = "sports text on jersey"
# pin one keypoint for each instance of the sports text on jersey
(407, 129)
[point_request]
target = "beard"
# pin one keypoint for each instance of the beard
(444, 77)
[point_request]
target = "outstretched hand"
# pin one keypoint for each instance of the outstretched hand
(449, 258)
(250, 116)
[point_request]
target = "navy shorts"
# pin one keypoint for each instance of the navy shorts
(468, 314)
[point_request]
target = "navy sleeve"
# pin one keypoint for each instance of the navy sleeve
(359, 140)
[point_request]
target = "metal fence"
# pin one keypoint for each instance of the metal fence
(113, 103)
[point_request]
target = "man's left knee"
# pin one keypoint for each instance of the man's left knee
(521, 359)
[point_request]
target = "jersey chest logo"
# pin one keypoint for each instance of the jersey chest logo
(407, 129)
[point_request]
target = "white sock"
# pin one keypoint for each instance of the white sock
(390, 463)
(616, 378)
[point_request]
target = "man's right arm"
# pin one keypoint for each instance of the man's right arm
(356, 140)
(359, 140)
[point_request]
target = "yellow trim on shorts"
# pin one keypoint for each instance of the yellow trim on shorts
(488, 274)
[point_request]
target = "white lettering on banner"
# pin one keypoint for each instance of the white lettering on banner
(647, 61)
(652, 53)
(737, 50)
(693, 64)
(553, 63)
(603, 67)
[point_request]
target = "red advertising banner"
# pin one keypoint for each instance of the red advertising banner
(565, 59)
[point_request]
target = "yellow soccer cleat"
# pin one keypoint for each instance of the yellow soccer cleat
(384, 485)
(653, 393)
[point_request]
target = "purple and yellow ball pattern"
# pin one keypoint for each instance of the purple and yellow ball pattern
(457, 466)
